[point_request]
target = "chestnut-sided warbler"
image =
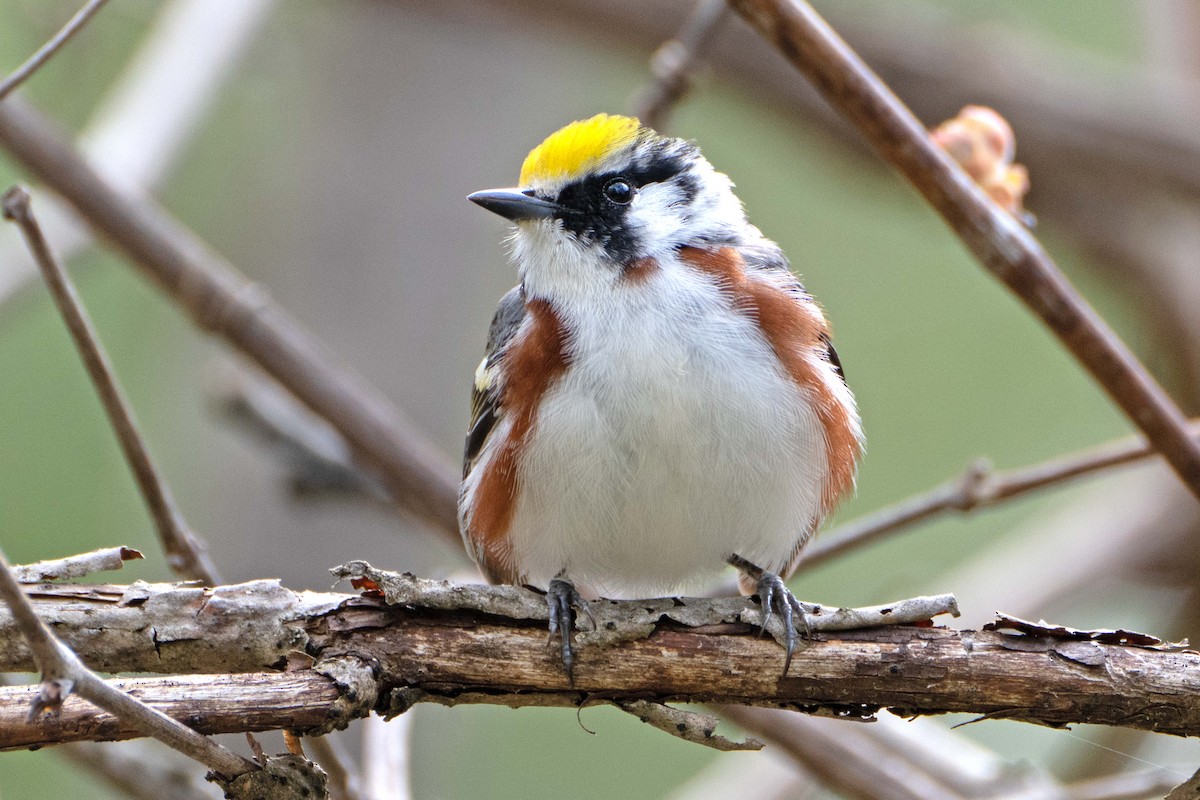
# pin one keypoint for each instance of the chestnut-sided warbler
(660, 396)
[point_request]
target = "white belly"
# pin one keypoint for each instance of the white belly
(673, 441)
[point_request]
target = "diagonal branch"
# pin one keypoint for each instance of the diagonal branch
(675, 60)
(186, 554)
(996, 239)
(222, 302)
(43, 53)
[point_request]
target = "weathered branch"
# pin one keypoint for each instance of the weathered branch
(79, 566)
(1001, 244)
(455, 644)
(65, 677)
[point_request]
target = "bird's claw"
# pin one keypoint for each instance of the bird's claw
(776, 597)
(561, 596)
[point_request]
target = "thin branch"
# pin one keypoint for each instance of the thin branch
(675, 60)
(998, 241)
(63, 673)
(978, 487)
(690, 726)
(220, 301)
(78, 566)
(185, 553)
(147, 117)
(43, 54)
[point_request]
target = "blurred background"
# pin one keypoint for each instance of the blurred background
(329, 160)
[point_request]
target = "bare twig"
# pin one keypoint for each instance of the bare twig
(674, 62)
(978, 487)
(58, 569)
(43, 54)
(63, 673)
(687, 725)
(416, 474)
(184, 551)
(1000, 243)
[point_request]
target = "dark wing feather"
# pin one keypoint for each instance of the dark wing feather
(486, 397)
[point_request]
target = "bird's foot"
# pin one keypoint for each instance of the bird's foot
(777, 598)
(561, 597)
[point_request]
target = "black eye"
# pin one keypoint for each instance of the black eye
(619, 191)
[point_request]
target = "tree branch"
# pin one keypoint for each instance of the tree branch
(222, 302)
(998, 241)
(79, 566)
(453, 644)
(977, 487)
(44, 53)
(675, 60)
(63, 674)
(185, 552)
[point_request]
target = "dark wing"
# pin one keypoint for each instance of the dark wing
(768, 258)
(485, 396)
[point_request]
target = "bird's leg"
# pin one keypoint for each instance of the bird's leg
(561, 596)
(775, 597)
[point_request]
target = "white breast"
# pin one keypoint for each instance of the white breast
(673, 440)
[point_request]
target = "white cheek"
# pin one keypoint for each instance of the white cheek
(553, 263)
(656, 223)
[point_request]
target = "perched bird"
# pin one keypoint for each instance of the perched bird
(660, 396)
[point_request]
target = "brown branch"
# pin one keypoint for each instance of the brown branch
(186, 554)
(997, 240)
(675, 60)
(978, 487)
(454, 644)
(471, 658)
(44, 53)
(222, 302)
(63, 674)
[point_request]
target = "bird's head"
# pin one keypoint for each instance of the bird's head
(602, 193)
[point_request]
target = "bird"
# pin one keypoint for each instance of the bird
(660, 396)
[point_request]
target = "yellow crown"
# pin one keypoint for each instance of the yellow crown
(578, 148)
